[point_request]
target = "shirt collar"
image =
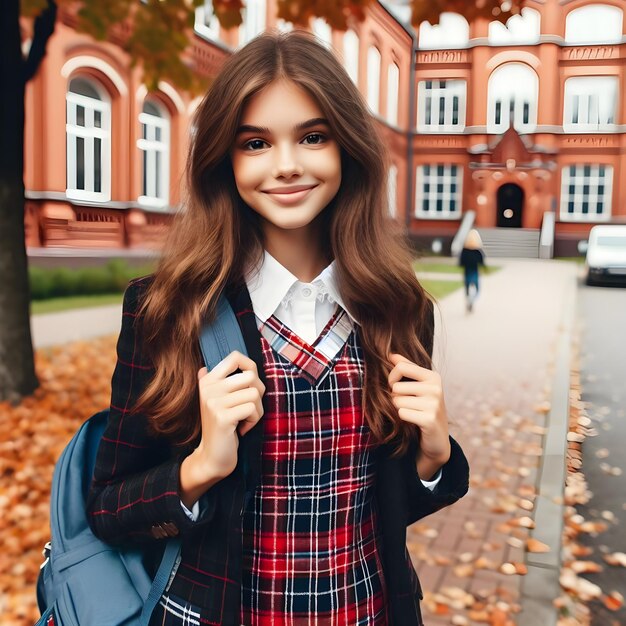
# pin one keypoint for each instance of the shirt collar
(271, 282)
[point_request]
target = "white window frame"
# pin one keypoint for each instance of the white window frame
(586, 103)
(373, 78)
(207, 28)
(157, 177)
(431, 92)
(393, 86)
(433, 195)
(586, 176)
(89, 133)
(254, 20)
(351, 54)
(392, 190)
(594, 24)
(514, 95)
(323, 31)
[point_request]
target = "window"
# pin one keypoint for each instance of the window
(451, 32)
(590, 103)
(519, 29)
(253, 23)
(393, 85)
(323, 32)
(439, 191)
(351, 55)
(155, 148)
(594, 23)
(373, 78)
(392, 187)
(206, 22)
(88, 132)
(513, 92)
(441, 105)
(586, 192)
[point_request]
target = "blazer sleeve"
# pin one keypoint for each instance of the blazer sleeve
(136, 477)
(454, 482)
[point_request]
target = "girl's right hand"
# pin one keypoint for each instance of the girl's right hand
(228, 403)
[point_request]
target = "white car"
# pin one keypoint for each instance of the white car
(606, 255)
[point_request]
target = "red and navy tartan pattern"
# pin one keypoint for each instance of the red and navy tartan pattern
(310, 541)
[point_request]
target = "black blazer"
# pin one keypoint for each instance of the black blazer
(136, 485)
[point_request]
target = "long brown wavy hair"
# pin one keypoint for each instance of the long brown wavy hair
(215, 237)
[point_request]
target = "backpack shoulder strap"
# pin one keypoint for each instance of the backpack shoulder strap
(219, 339)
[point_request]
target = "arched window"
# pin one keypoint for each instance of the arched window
(594, 23)
(590, 103)
(392, 187)
(373, 78)
(206, 23)
(323, 32)
(441, 106)
(393, 84)
(519, 29)
(351, 54)
(154, 145)
(88, 132)
(253, 23)
(451, 32)
(513, 91)
(586, 192)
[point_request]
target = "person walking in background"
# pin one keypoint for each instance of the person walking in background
(291, 474)
(471, 257)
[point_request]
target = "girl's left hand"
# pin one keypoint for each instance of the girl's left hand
(420, 401)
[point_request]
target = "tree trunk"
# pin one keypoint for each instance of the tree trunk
(17, 368)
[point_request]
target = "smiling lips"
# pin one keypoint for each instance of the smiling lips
(290, 195)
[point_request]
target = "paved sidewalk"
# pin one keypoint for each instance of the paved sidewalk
(498, 366)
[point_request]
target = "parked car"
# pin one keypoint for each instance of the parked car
(605, 261)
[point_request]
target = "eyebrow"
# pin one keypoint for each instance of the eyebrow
(261, 130)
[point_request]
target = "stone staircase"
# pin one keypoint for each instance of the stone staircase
(510, 242)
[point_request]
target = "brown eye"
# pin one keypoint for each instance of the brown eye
(323, 137)
(245, 145)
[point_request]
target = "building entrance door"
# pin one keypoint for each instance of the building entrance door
(510, 206)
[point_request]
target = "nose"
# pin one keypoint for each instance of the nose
(286, 162)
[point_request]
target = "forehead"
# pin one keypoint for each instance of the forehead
(280, 105)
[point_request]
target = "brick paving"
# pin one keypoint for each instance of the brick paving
(496, 364)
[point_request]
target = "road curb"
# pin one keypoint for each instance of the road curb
(540, 586)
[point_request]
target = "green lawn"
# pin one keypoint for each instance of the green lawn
(73, 302)
(441, 288)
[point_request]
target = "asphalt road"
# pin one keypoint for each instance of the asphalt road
(602, 315)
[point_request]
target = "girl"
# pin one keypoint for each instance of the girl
(291, 474)
(471, 257)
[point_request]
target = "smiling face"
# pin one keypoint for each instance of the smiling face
(291, 149)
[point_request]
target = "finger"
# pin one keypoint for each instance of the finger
(409, 370)
(419, 418)
(231, 363)
(416, 403)
(415, 388)
(241, 396)
(241, 412)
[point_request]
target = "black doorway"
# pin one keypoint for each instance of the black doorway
(510, 206)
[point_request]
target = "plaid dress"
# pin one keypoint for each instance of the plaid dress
(310, 546)
(309, 532)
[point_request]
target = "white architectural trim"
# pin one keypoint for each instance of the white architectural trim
(76, 63)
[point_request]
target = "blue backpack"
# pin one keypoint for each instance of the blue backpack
(85, 581)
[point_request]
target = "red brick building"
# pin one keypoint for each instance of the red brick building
(516, 130)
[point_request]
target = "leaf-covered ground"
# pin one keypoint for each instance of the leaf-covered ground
(75, 383)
